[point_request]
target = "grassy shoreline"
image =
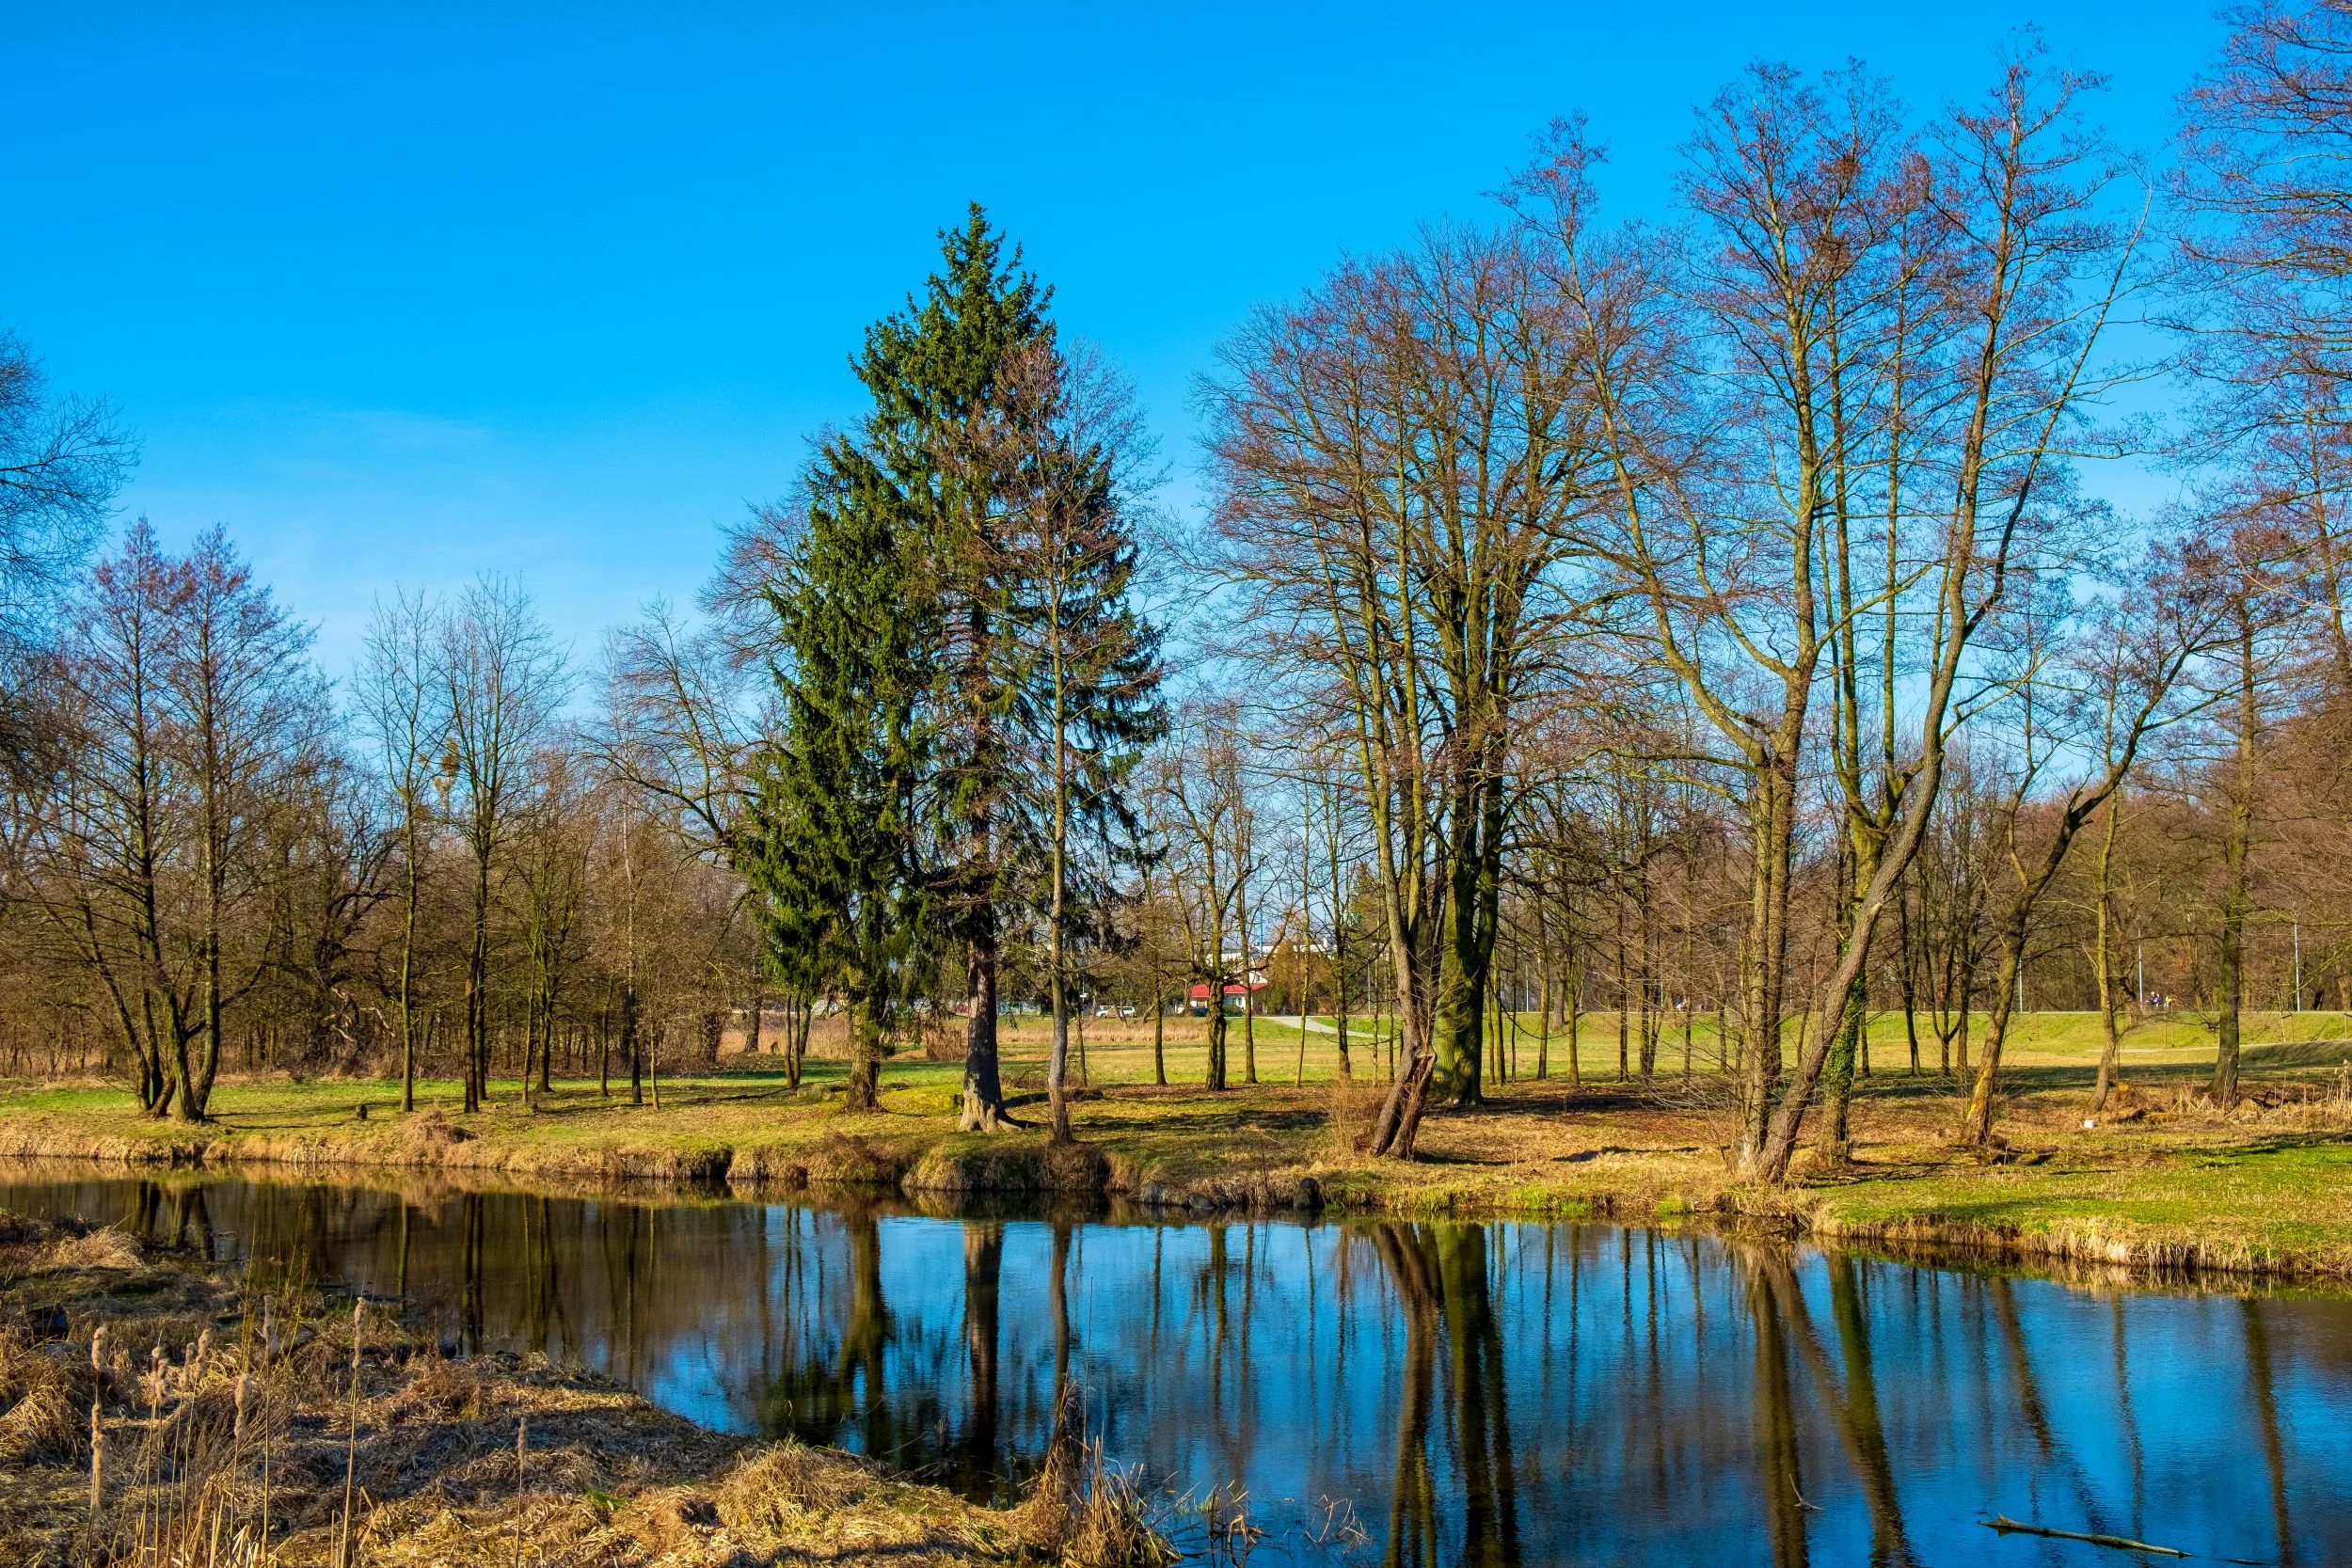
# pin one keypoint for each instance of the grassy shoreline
(2164, 1185)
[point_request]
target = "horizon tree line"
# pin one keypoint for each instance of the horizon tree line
(1711, 621)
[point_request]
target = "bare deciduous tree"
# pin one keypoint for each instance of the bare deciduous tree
(504, 678)
(402, 705)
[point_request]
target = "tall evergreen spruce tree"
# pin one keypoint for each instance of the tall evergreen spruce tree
(833, 847)
(907, 662)
(966, 685)
(936, 373)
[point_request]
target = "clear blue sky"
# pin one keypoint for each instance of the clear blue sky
(410, 293)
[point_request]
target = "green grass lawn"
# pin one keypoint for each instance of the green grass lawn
(1120, 1053)
(2273, 1183)
(717, 1106)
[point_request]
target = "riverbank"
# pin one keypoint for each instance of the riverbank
(238, 1428)
(2162, 1183)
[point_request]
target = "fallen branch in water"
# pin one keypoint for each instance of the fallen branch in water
(2008, 1525)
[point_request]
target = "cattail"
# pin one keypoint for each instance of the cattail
(269, 1335)
(237, 1432)
(344, 1556)
(98, 1351)
(97, 1457)
(204, 1352)
(521, 1429)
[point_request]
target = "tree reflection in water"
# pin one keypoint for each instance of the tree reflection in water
(1475, 1394)
(1412, 1497)
(1440, 1273)
(974, 1468)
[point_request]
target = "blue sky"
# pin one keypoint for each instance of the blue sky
(406, 293)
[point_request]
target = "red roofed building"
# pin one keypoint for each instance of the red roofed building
(1196, 999)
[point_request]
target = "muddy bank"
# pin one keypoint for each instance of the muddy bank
(2113, 1251)
(943, 1172)
(948, 1165)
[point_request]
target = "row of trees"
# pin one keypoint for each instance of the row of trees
(1704, 619)
(1751, 507)
(1567, 540)
(211, 858)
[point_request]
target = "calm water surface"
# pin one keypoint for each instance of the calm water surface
(1425, 1394)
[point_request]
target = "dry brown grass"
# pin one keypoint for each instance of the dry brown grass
(1107, 1523)
(37, 1397)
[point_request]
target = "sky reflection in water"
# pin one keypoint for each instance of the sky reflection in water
(1493, 1393)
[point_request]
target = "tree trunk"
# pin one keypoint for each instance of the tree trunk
(1543, 1023)
(1058, 1048)
(1248, 1019)
(629, 1045)
(1689, 954)
(477, 992)
(1907, 979)
(1216, 1032)
(1466, 950)
(1411, 1059)
(2103, 960)
(1159, 1033)
(1248, 996)
(197, 1072)
(1339, 941)
(983, 1086)
(1977, 1128)
(863, 1091)
(2235, 852)
(1646, 1021)
(1764, 951)
(1576, 1027)
(1836, 1141)
(1625, 996)
(408, 964)
(1057, 916)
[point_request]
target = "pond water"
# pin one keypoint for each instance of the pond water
(1390, 1392)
